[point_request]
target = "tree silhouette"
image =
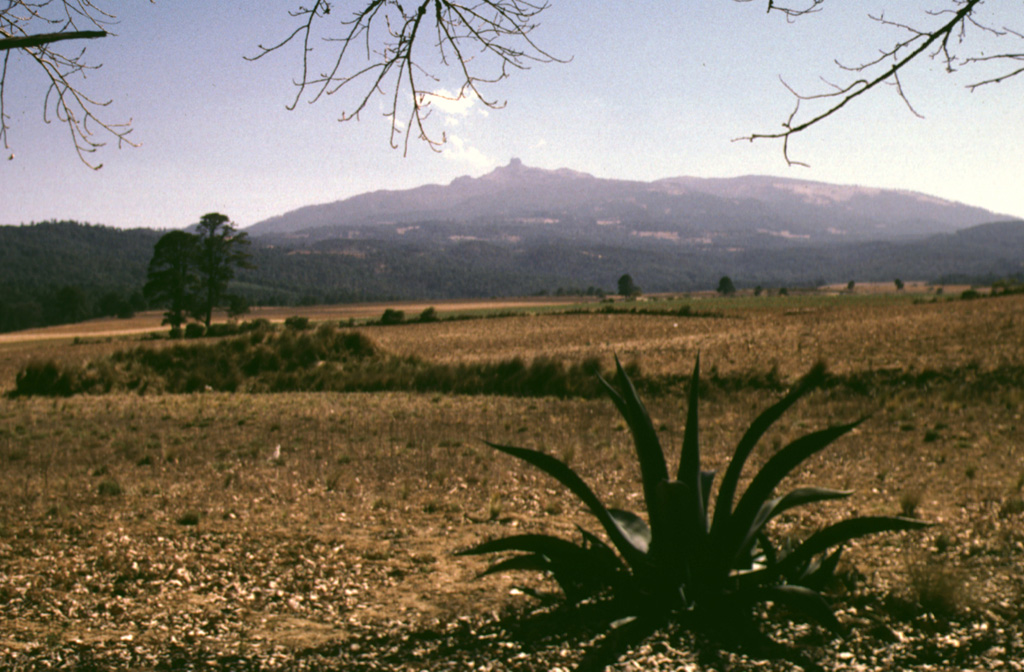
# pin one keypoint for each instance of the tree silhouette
(725, 286)
(189, 273)
(171, 279)
(627, 288)
(220, 249)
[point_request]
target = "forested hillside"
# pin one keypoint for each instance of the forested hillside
(442, 260)
(57, 272)
(54, 272)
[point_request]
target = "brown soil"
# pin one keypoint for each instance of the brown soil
(162, 533)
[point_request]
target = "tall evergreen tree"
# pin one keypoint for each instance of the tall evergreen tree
(171, 279)
(221, 248)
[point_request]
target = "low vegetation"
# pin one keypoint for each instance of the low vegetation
(297, 358)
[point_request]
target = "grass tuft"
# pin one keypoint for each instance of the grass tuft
(936, 588)
(108, 487)
(909, 501)
(189, 518)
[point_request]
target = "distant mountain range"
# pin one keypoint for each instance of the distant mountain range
(520, 201)
(521, 230)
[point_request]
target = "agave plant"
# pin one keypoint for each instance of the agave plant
(687, 557)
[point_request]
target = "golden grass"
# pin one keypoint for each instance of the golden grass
(150, 321)
(851, 333)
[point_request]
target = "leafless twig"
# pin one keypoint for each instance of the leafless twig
(26, 28)
(405, 55)
(960, 27)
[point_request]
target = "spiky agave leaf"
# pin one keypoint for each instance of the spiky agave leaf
(668, 538)
(800, 599)
(689, 459)
(574, 589)
(757, 429)
(650, 455)
(579, 570)
(634, 528)
(625, 540)
(819, 572)
(779, 505)
(691, 510)
(837, 534)
(759, 491)
(670, 566)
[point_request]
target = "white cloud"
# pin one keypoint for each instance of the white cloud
(457, 150)
(454, 107)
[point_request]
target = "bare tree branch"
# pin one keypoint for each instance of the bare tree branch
(406, 55)
(65, 99)
(410, 58)
(791, 13)
(945, 42)
(48, 38)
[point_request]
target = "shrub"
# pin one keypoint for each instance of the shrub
(359, 344)
(189, 518)
(429, 315)
(909, 501)
(108, 487)
(682, 559)
(45, 378)
(937, 589)
(297, 323)
(194, 330)
(392, 316)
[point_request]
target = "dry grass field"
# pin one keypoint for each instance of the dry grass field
(317, 530)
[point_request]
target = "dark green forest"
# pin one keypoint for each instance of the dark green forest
(59, 272)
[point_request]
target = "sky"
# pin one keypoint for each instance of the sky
(652, 89)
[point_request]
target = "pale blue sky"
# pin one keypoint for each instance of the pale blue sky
(655, 88)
